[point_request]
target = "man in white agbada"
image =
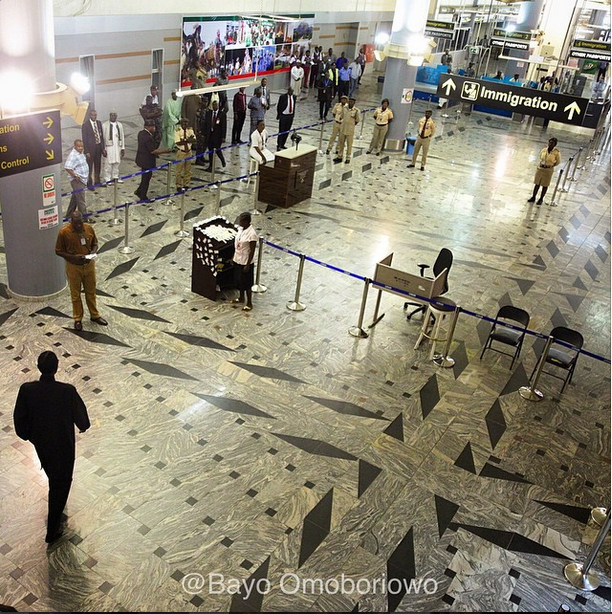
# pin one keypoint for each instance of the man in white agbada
(114, 138)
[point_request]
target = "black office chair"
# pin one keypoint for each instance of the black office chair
(564, 358)
(505, 335)
(443, 261)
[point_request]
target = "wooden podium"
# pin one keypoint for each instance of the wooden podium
(291, 178)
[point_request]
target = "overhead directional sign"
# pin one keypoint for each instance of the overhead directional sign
(500, 95)
(439, 29)
(30, 141)
(590, 50)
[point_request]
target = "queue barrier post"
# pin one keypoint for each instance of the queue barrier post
(213, 164)
(444, 360)
(598, 516)
(363, 118)
(357, 331)
(552, 202)
(126, 249)
(587, 154)
(116, 219)
(218, 201)
(168, 200)
(576, 165)
(568, 168)
(255, 210)
(578, 574)
(531, 392)
(321, 136)
(258, 287)
(295, 304)
(181, 232)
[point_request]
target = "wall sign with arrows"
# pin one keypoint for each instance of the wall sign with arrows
(30, 141)
(500, 95)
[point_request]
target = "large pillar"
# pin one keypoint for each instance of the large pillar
(407, 36)
(528, 19)
(27, 45)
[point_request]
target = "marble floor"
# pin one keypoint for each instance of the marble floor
(269, 461)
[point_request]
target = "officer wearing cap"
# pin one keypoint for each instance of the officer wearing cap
(351, 116)
(338, 115)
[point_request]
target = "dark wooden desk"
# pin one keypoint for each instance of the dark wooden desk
(291, 178)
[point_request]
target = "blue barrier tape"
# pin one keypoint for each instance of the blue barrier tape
(199, 155)
(434, 302)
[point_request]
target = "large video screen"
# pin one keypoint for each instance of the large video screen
(242, 46)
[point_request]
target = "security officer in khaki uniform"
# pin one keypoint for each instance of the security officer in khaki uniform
(338, 114)
(351, 116)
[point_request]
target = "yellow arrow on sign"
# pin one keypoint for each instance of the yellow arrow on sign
(50, 154)
(573, 107)
(48, 123)
(49, 139)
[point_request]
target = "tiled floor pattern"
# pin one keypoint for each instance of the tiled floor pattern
(274, 447)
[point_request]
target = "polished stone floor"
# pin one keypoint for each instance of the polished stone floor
(272, 451)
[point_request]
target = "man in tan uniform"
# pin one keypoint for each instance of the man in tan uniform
(350, 118)
(338, 114)
(184, 138)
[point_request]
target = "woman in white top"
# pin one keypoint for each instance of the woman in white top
(259, 139)
(244, 252)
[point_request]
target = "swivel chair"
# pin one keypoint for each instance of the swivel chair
(443, 261)
(565, 358)
(505, 335)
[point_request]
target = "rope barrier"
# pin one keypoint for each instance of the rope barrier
(433, 301)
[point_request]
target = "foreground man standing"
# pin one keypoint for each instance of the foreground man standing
(46, 413)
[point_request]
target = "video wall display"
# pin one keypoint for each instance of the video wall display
(242, 46)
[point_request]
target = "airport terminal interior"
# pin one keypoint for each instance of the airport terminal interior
(273, 448)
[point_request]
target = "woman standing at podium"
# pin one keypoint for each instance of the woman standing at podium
(244, 252)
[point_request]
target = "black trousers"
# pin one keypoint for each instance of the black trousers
(95, 164)
(143, 188)
(284, 125)
(60, 480)
(239, 118)
(343, 88)
(219, 155)
(324, 108)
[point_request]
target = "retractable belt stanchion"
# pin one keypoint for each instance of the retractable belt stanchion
(568, 168)
(169, 200)
(598, 516)
(255, 210)
(587, 154)
(576, 165)
(126, 249)
(321, 136)
(116, 219)
(531, 392)
(259, 287)
(295, 304)
(214, 186)
(357, 331)
(181, 232)
(363, 118)
(218, 201)
(552, 202)
(579, 575)
(444, 360)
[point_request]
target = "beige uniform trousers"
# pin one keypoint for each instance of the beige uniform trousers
(424, 143)
(82, 275)
(378, 138)
(334, 135)
(183, 169)
(348, 139)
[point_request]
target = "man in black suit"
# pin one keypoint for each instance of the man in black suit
(215, 126)
(93, 143)
(285, 112)
(145, 157)
(46, 413)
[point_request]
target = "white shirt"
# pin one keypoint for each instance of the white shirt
(259, 139)
(297, 73)
(242, 245)
(154, 101)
